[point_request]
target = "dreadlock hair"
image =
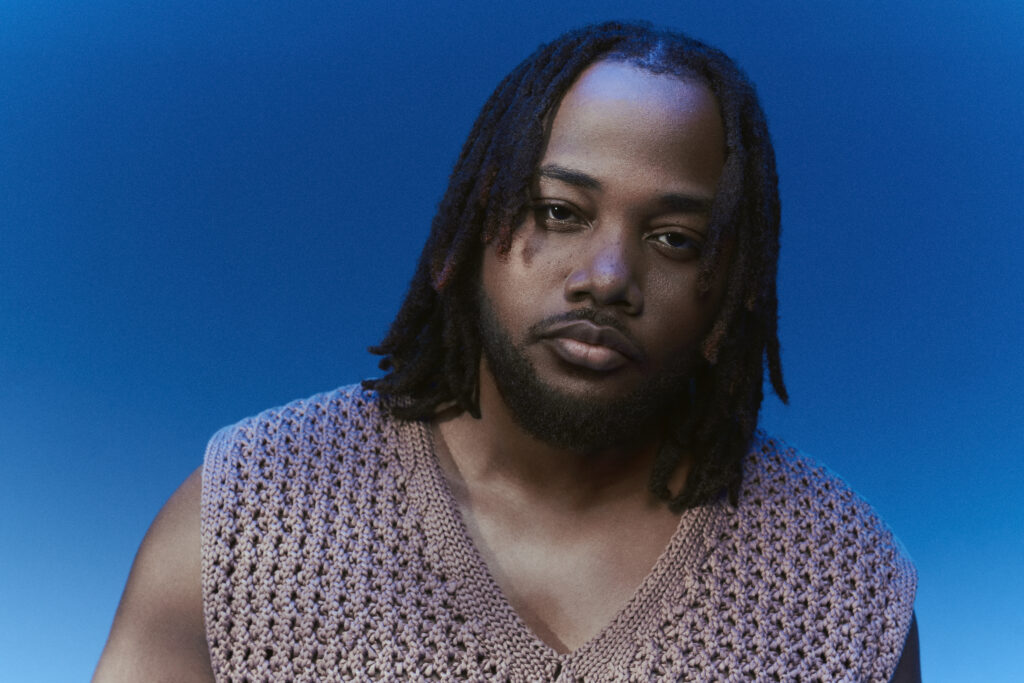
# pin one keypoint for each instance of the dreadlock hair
(432, 349)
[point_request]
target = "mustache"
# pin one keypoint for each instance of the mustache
(598, 317)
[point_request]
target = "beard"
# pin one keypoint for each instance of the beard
(576, 423)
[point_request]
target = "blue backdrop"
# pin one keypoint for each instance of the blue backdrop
(210, 208)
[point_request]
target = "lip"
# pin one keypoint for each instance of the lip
(592, 346)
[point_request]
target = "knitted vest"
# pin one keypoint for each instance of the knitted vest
(334, 551)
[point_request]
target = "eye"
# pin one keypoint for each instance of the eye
(677, 244)
(558, 213)
(553, 216)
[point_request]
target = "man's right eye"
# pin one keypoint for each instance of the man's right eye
(559, 213)
(557, 217)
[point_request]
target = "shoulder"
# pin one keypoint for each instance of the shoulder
(798, 500)
(158, 631)
(337, 421)
(781, 482)
(307, 453)
(347, 406)
(823, 549)
(314, 446)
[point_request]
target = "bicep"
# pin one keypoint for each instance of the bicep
(158, 632)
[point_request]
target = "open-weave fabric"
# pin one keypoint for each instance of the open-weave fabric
(333, 550)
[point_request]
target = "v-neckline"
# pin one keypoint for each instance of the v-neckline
(462, 561)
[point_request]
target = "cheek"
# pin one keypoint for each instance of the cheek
(528, 274)
(537, 255)
(673, 290)
(679, 317)
(508, 285)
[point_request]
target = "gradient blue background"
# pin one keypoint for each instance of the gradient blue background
(210, 208)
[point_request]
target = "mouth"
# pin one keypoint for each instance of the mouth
(588, 345)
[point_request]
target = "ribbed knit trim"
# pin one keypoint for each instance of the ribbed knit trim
(480, 595)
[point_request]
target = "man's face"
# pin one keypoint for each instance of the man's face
(593, 322)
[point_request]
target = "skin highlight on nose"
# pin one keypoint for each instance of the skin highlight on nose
(609, 278)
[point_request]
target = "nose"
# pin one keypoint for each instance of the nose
(607, 276)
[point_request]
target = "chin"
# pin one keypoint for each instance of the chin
(583, 420)
(578, 409)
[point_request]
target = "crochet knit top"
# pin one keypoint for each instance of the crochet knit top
(333, 550)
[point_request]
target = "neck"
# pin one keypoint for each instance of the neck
(494, 453)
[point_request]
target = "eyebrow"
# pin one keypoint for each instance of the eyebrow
(568, 175)
(674, 202)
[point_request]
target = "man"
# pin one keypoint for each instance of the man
(560, 478)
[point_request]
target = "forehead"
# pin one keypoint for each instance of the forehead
(629, 124)
(615, 80)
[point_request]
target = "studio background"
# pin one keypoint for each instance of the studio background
(212, 208)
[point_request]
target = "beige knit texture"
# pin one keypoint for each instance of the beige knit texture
(333, 551)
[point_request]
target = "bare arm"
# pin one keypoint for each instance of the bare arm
(158, 632)
(908, 670)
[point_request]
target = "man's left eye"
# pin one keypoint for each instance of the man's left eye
(678, 243)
